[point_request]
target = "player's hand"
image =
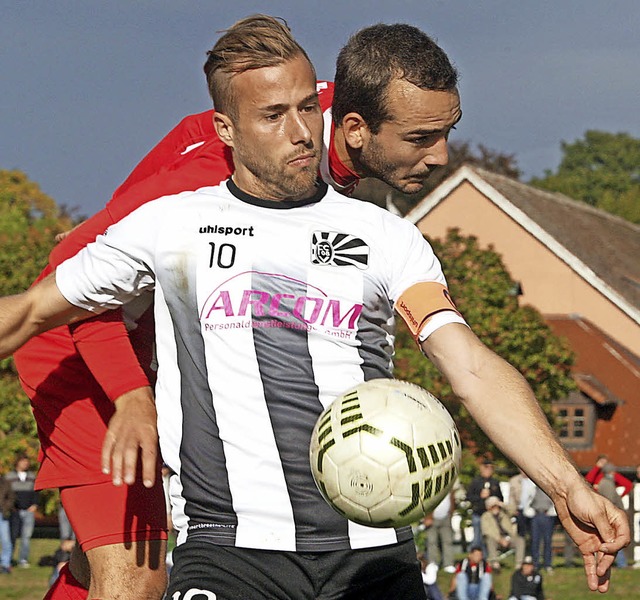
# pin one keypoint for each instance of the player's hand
(598, 528)
(133, 429)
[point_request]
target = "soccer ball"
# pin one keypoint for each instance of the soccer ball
(385, 453)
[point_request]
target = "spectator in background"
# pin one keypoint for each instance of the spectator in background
(440, 535)
(607, 488)
(521, 492)
(526, 583)
(500, 533)
(482, 487)
(595, 475)
(473, 580)
(636, 479)
(542, 526)
(7, 501)
(64, 527)
(61, 558)
(23, 518)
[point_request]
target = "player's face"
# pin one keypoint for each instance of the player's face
(277, 131)
(413, 142)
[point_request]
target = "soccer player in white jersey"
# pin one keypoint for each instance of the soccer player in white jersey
(273, 294)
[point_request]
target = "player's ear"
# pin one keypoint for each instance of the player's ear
(355, 130)
(224, 128)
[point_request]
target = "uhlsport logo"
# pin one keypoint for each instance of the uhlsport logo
(338, 250)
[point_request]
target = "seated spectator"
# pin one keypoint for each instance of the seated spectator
(429, 577)
(473, 580)
(526, 583)
(500, 533)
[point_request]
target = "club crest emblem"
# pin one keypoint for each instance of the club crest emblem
(338, 250)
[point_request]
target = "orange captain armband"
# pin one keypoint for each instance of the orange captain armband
(420, 302)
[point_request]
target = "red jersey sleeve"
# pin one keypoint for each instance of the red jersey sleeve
(104, 345)
(208, 165)
(191, 131)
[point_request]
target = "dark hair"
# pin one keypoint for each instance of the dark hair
(252, 43)
(375, 56)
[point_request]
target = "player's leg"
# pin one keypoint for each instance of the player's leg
(122, 531)
(123, 571)
(28, 524)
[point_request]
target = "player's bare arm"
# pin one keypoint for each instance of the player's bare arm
(503, 404)
(35, 311)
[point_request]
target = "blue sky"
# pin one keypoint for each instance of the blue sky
(88, 87)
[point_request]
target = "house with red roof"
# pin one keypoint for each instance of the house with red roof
(580, 267)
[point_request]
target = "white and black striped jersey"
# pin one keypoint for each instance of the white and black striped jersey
(265, 312)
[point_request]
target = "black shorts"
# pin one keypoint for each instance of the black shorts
(205, 571)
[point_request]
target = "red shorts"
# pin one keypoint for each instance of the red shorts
(70, 408)
(102, 514)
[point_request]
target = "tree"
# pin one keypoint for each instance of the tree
(484, 292)
(603, 170)
(460, 152)
(29, 221)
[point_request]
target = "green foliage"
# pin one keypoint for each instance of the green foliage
(484, 293)
(603, 170)
(29, 221)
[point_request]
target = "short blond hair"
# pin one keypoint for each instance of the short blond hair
(254, 42)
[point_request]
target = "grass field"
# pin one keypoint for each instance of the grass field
(32, 583)
(562, 584)
(567, 584)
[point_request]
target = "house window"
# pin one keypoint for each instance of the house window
(575, 422)
(572, 423)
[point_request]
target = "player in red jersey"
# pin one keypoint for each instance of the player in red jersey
(85, 381)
